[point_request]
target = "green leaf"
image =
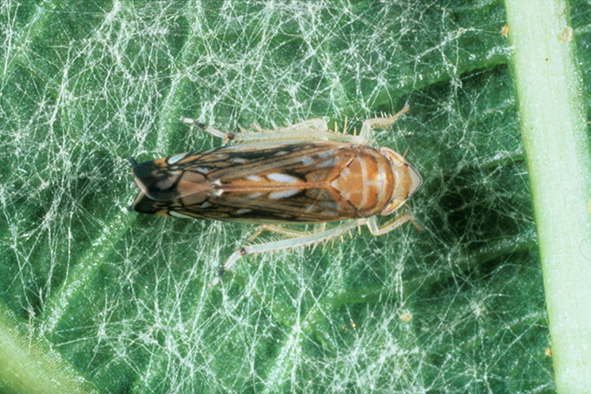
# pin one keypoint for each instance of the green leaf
(122, 298)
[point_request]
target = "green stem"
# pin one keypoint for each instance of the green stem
(551, 105)
(29, 364)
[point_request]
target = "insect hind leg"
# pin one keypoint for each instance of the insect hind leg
(209, 129)
(276, 229)
(301, 239)
(316, 124)
(312, 130)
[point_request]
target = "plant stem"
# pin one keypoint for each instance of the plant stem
(29, 364)
(554, 131)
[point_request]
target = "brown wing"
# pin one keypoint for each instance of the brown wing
(271, 182)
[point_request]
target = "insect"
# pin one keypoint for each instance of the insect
(299, 174)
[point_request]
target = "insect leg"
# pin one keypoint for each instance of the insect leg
(309, 130)
(292, 133)
(305, 239)
(276, 229)
(316, 124)
(318, 227)
(372, 224)
(209, 129)
(379, 122)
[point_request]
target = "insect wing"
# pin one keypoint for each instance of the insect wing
(271, 182)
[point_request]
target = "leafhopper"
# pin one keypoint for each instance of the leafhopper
(300, 174)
